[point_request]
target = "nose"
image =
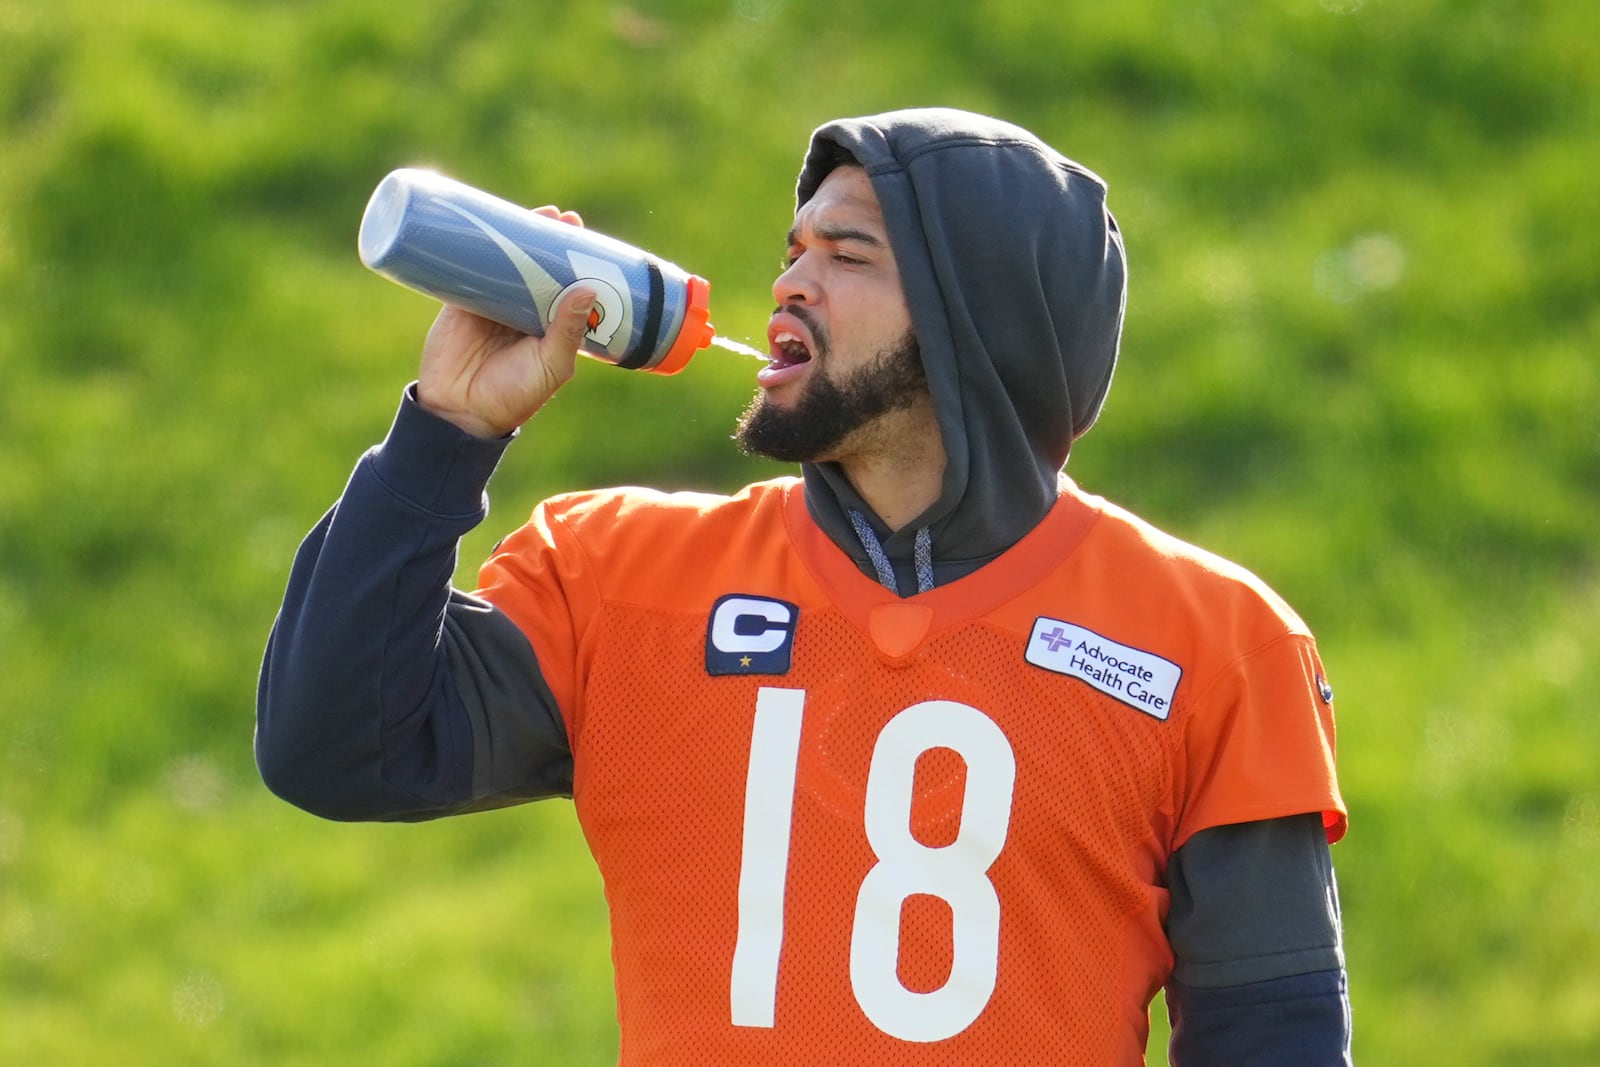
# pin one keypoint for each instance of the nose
(797, 284)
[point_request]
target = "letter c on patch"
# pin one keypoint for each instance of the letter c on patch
(738, 626)
(750, 635)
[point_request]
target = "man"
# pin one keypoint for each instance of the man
(926, 757)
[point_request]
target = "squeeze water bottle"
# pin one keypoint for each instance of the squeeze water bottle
(463, 246)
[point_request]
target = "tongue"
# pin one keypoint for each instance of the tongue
(778, 372)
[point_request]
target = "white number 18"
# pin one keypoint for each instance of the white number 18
(956, 873)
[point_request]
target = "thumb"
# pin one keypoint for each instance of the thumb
(575, 318)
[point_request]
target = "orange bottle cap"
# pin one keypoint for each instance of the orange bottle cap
(697, 330)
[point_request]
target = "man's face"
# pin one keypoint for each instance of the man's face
(843, 352)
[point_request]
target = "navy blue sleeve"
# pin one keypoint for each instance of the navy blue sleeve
(1302, 1020)
(357, 713)
(1254, 924)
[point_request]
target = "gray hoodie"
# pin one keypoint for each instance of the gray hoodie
(1014, 272)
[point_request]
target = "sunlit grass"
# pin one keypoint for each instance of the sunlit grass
(1359, 359)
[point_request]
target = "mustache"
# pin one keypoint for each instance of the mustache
(819, 332)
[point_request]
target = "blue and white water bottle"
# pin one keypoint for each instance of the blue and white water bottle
(463, 246)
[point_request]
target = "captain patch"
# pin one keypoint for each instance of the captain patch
(1140, 679)
(750, 635)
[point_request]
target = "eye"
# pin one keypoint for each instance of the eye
(847, 260)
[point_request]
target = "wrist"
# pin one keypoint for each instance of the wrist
(465, 421)
(431, 462)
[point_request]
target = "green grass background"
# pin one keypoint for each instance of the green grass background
(1360, 358)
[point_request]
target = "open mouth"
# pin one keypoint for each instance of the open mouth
(788, 350)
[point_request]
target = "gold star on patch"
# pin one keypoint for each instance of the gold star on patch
(744, 661)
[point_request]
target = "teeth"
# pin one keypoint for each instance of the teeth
(789, 349)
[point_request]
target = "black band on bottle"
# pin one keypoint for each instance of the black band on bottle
(650, 332)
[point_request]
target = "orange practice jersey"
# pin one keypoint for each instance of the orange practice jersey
(837, 826)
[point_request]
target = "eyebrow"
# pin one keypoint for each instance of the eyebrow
(837, 232)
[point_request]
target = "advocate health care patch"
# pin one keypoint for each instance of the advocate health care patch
(1140, 679)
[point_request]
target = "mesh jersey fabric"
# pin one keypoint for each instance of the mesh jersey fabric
(972, 846)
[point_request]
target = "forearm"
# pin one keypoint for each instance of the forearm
(358, 716)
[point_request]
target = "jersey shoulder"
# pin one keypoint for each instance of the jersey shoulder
(1175, 575)
(622, 513)
(635, 539)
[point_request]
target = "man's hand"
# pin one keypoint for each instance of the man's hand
(489, 379)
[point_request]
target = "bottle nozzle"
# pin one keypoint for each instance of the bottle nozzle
(696, 332)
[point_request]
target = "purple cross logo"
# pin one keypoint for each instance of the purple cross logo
(1055, 639)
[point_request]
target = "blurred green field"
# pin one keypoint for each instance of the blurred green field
(1360, 359)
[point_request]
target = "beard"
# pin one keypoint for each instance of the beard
(828, 412)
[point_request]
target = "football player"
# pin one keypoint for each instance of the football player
(926, 756)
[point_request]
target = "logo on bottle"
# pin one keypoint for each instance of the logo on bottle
(611, 306)
(612, 309)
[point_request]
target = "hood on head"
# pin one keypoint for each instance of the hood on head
(1014, 272)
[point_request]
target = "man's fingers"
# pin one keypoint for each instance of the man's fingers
(550, 211)
(577, 316)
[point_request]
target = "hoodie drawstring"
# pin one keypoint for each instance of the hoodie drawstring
(922, 554)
